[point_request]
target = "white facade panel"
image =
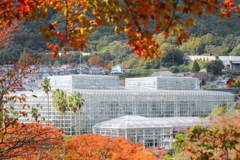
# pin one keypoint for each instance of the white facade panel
(166, 83)
(152, 132)
(71, 82)
(102, 105)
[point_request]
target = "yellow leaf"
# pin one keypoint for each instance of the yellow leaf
(2, 136)
(6, 115)
(64, 50)
(190, 20)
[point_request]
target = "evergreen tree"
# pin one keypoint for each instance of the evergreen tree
(174, 69)
(195, 68)
(23, 56)
(59, 101)
(45, 85)
(172, 55)
(215, 67)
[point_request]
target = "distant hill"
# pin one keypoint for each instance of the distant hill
(210, 34)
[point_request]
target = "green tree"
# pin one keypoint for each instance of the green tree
(220, 110)
(57, 63)
(222, 50)
(195, 68)
(34, 113)
(215, 67)
(59, 101)
(235, 51)
(75, 102)
(193, 46)
(174, 69)
(231, 41)
(207, 39)
(23, 56)
(171, 56)
(46, 87)
(183, 68)
(155, 63)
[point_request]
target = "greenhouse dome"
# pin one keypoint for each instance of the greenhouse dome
(132, 122)
(152, 132)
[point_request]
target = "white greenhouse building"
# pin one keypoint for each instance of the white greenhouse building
(152, 132)
(104, 101)
(84, 81)
(164, 82)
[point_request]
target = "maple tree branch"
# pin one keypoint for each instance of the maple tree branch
(66, 22)
(137, 25)
(173, 15)
(204, 2)
(34, 136)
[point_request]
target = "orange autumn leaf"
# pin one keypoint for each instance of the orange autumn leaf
(131, 17)
(95, 60)
(28, 141)
(220, 140)
(6, 32)
(94, 146)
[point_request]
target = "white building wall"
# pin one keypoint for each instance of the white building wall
(102, 105)
(166, 83)
(149, 82)
(71, 82)
(207, 58)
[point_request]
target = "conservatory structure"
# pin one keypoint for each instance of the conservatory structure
(152, 132)
(108, 102)
(84, 81)
(102, 105)
(164, 82)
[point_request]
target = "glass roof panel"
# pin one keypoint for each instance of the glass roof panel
(135, 121)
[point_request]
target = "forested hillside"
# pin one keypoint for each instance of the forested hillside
(209, 35)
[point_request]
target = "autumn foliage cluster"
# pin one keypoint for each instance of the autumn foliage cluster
(131, 17)
(29, 141)
(94, 146)
(96, 60)
(6, 32)
(16, 137)
(46, 142)
(233, 83)
(219, 140)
